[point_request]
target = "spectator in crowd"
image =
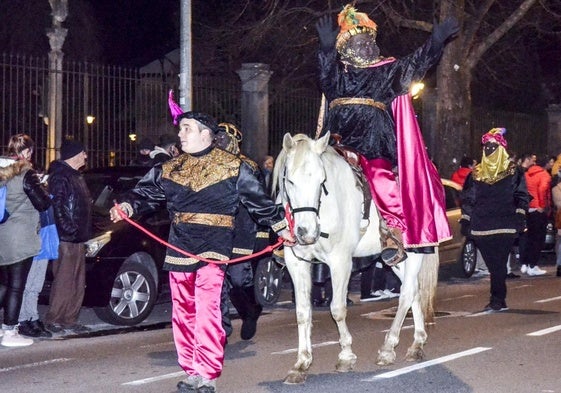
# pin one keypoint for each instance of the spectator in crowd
(248, 238)
(202, 190)
(466, 166)
(267, 166)
(165, 150)
(145, 146)
(494, 204)
(556, 196)
(25, 197)
(29, 322)
(527, 160)
(556, 167)
(72, 205)
(538, 182)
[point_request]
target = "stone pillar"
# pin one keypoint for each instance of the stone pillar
(554, 129)
(428, 116)
(255, 109)
(56, 35)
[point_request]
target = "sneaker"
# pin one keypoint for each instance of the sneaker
(189, 384)
(390, 293)
(374, 296)
(207, 386)
(39, 326)
(1, 332)
(496, 307)
(512, 275)
(54, 327)
(27, 329)
(535, 271)
(12, 338)
(523, 269)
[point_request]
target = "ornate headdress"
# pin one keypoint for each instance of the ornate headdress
(234, 135)
(497, 134)
(353, 23)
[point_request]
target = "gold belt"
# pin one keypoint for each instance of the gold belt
(217, 220)
(357, 101)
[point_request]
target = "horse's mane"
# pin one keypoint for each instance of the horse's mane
(302, 144)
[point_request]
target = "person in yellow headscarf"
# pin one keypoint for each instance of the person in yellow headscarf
(494, 207)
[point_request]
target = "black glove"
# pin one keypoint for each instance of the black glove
(465, 228)
(327, 33)
(520, 222)
(441, 32)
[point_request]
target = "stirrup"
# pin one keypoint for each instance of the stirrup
(391, 256)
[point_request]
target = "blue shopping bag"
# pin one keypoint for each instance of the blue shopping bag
(49, 236)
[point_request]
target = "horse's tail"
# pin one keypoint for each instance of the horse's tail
(428, 280)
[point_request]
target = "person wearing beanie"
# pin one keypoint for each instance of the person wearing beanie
(494, 205)
(72, 205)
(369, 105)
(202, 190)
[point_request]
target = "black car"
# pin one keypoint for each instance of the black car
(123, 265)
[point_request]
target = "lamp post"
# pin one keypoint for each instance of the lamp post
(56, 35)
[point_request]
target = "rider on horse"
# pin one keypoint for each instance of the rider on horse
(369, 107)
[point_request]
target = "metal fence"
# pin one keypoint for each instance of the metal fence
(122, 104)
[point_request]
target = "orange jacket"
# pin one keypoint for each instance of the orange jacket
(538, 182)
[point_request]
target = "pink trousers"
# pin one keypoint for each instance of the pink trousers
(197, 320)
(385, 190)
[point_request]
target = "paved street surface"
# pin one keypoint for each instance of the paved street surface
(513, 351)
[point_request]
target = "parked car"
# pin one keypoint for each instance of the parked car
(123, 265)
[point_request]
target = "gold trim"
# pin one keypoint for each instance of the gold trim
(357, 101)
(191, 261)
(279, 226)
(465, 217)
(262, 235)
(493, 232)
(215, 220)
(520, 211)
(241, 251)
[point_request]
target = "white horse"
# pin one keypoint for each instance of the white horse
(326, 202)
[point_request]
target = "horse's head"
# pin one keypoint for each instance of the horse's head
(300, 178)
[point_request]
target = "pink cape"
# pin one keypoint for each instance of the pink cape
(422, 192)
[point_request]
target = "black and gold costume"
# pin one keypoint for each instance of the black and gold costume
(202, 192)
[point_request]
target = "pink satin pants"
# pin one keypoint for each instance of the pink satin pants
(197, 320)
(385, 190)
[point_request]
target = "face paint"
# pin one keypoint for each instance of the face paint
(489, 148)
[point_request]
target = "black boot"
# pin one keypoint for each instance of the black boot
(248, 309)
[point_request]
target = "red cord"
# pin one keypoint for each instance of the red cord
(266, 250)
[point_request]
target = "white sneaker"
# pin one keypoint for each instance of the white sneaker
(1, 332)
(536, 271)
(390, 294)
(374, 296)
(523, 269)
(13, 339)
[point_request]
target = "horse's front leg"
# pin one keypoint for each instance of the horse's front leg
(409, 289)
(415, 351)
(300, 272)
(340, 275)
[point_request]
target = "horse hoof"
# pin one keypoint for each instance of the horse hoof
(344, 365)
(415, 355)
(295, 378)
(385, 358)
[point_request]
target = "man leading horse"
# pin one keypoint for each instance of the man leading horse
(370, 108)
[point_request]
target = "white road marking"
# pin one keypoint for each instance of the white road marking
(551, 299)
(295, 350)
(426, 364)
(154, 379)
(543, 332)
(36, 364)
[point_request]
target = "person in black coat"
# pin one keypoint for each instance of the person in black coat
(494, 206)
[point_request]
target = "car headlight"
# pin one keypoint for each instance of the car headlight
(93, 246)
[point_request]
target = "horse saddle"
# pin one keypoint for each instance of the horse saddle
(353, 159)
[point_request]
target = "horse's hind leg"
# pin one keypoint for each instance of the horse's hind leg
(409, 289)
(340, 275)
(415, 351)
(300, 273)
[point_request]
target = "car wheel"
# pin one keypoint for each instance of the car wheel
(468, 258)
(132, 297)
(268, 281)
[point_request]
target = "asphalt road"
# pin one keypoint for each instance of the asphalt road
(513, 351)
